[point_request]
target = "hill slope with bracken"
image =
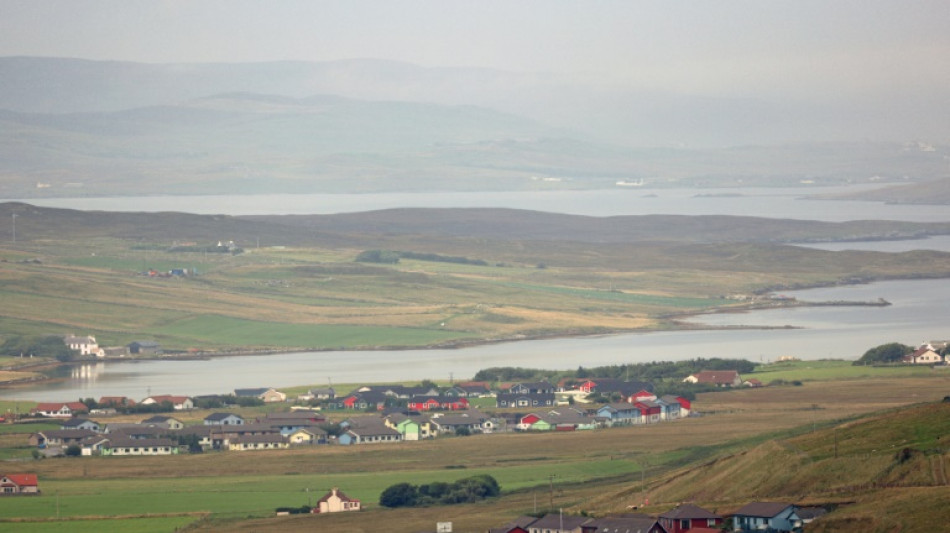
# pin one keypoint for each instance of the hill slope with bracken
(886, 473)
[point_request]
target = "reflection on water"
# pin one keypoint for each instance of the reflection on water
(87, 373)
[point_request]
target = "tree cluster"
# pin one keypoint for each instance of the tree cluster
(471, 489)
(39, 346)
(891, 352)
(393, 257)
(653, 372)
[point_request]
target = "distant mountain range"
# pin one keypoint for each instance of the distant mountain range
(76, 127)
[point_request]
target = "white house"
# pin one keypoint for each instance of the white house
(84, 345)
(335, 501)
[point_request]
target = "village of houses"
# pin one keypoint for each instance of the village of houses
(399, 413)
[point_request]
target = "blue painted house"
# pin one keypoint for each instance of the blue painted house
(772, 516)
(616, 414)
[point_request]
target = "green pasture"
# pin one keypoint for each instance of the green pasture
(162, 524)
(830, 369)
(25, 429)
(220, 330)
(260, 495)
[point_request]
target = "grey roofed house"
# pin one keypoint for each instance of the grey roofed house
(121, 442)
(629, 523)
(779, 516)
(566, 416)
(521, 522)
(525, 400)
(223, 419)
(689, 511)
(57, 437)
(536, 387)
(325, 393)
(167, 421)
(557, 522)
(300, 416)
(138, 431)
(256, 428)
(145, 348)
(80, 423)
(265, 438)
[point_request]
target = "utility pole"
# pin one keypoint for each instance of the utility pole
(551, 478)
(14, 228)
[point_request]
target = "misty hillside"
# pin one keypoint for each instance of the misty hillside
(74, 127)
(369, 228)
(589, 108)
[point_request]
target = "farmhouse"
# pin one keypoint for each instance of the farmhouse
(83, 345)
(336, 501)
(18, 484)
(719, 378)
(925, 355)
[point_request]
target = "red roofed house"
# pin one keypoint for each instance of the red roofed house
(19, 484)
(642, 396)
(925, 355)
(685, 406)
(719, 378)
(116, 401)
(650, 412)
(335, 501)
(690, 518)
(431, 403)
(180, 403)
(60, 409)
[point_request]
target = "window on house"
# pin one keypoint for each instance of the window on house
(710, 522)
(684, 524)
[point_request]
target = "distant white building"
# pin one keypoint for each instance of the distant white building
(84, 345)
(335, 501)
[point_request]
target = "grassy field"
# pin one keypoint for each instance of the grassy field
(833, 369)
(586, 465)
(80, 273)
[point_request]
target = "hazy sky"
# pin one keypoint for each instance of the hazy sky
(724, 47)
